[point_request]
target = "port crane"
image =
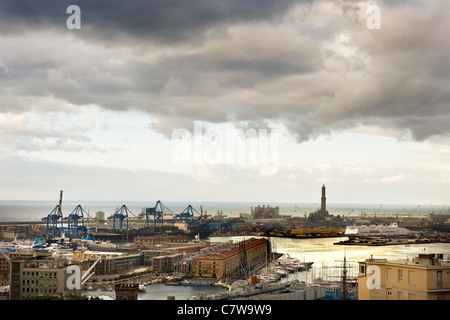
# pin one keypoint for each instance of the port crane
(52, 219)
(300, 211)
(75, 223)
(188, 214)
(347, 214)
(52, 222)
(157, 212)
(411, 212)
(120, 215)
(379, 208)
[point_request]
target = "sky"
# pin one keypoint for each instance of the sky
(149, 100)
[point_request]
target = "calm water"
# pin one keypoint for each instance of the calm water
(161, 292)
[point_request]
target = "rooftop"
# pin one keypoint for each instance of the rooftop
(233, 250)
(421, 260)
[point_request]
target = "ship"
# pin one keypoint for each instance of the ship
(392, 230)
(124, 236)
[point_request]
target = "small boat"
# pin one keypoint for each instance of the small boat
(196, 283)
(281, 272)
(142, 288)
(109, 288)
(270, 277)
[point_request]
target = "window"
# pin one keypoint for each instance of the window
(439, 279)
(400, 274)
(362, 268)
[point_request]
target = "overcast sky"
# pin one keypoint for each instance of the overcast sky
(94, 111)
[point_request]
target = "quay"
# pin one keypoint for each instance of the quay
(389, 241)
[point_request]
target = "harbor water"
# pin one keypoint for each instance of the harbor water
(160, 291)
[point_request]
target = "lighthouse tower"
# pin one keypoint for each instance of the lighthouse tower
(323, 202)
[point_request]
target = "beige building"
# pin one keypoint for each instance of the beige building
(425, 277)
(227, 261)
(40, 279)
(155, 240)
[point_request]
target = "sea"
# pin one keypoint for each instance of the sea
(33, 210)
(328, 257)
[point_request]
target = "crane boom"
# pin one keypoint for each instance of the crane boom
(60, 203)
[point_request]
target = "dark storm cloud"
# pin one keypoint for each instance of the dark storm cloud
(157, 20)
(312, 66)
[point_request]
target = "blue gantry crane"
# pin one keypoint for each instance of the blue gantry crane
(53, 218)
(157, 212)
(120, 215)
(75, 223)
(188, 214)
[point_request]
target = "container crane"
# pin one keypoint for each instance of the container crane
(52, 222)
(75, 223)
(52, 219)
(120, 215)
(188, 214)
(158, 212)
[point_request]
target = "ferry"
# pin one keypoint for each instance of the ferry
(387, 231)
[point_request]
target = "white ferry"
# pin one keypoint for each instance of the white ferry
(388, 231)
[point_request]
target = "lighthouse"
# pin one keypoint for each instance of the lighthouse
(323, 202)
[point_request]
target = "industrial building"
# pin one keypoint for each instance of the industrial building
(425, 277)
(265, 212)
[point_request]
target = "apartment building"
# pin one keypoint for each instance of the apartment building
(425, 277)
(42, 278)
